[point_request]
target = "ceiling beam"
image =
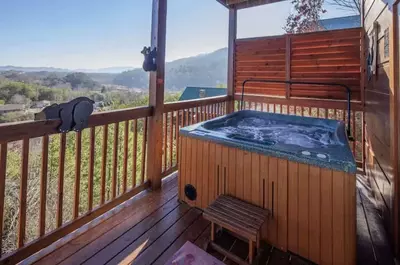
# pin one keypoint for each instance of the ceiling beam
(240, 4)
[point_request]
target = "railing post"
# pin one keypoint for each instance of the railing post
(230, 106)
(156, 94)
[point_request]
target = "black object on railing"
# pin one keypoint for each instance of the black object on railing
(305, 83)
(74, 114)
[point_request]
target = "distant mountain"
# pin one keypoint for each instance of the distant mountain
(31, 69)
(108, 70)
(202, 70)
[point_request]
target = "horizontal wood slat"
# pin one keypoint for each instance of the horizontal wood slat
(327, 57)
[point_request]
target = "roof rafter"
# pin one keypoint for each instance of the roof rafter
(240, 4)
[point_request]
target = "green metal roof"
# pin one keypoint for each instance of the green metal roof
(201, 92)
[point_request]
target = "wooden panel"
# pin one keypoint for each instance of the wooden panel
(239, 174)
(293, 206)
(199, 172)
(338, 220)
(314, 214)
(313, 208)
(231, 178)
(330, 57)
(212, 193)
(247, 176)
(282, 202)
(273, 198)
(303, 210)
(255, 179)
(326, 217)
(380, 90)
(205, 175)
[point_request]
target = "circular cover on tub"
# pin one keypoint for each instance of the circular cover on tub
(190, 192)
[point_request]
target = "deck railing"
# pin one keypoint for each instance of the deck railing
(53, 183)
(328, 109)
(181, 114)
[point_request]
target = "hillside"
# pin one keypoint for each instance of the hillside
(201, 70)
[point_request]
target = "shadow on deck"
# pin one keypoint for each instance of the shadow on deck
(155, 225)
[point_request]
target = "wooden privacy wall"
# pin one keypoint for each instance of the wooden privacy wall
(327, 56)
(379, 168)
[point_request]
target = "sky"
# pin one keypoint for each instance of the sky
(93, 34)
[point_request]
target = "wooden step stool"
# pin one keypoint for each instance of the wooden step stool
(239, 217)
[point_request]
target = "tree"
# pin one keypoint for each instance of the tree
(19, 99)
(305, 17)
(354, 5)
(80, 80)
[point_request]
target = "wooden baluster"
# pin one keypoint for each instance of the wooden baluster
(61, 162)
(177, 125)
(43, 185)
(78, 157)
(91, 167)
(274, 108)
(354, 132)
(187, 117)
(115, 162)
(134, 154)
(23, 192)
(171, 138)
(193, 112)
(143, 171)
(125, 166)
(165, 166)
(104, 165)
(3, 167)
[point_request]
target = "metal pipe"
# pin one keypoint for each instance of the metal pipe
(348, 130)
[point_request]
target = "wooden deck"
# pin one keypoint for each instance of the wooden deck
(156, 225)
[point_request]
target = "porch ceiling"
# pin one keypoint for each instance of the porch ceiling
(240, 4)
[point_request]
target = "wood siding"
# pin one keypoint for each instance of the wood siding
(328, 57)
(314, 209)
(377, 111)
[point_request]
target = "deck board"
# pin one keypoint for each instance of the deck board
(155, 225)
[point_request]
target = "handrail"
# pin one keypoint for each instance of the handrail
(179, 105)
(15, 131)
(301, 101)
(128, 128)
(290, 82)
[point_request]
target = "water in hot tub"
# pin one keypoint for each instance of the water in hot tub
(259, 130)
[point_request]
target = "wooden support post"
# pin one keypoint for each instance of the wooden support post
(156, 94)
(230, 106)
(251, 251)
(394, 123)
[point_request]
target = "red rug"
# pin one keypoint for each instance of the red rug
(190, 254)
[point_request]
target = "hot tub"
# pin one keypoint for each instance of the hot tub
(300, 168)
(319, 142)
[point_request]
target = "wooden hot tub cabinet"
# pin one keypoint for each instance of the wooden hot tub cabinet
(314, 209)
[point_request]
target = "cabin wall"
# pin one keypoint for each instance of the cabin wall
(326, 57)
(377, 21)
